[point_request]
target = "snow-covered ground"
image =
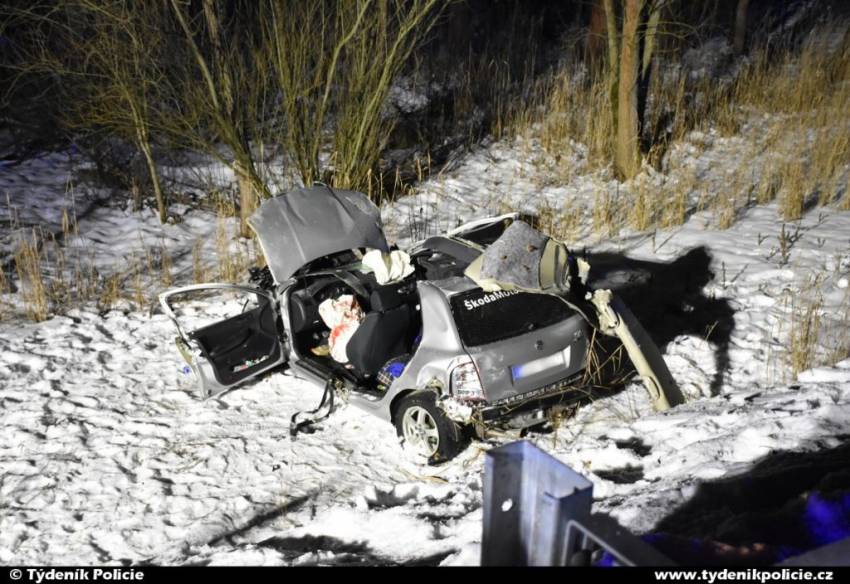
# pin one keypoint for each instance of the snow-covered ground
(106, 455)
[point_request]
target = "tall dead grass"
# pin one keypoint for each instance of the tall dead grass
(562, 110)
(52, 276)
(807, 94)
(232, 258)
(28, 263)
(818, 334)
(838, 333)
(790, 106)
(804, 334)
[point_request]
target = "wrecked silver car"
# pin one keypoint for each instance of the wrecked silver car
(489, 325)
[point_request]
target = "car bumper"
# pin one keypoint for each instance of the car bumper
(561, 393)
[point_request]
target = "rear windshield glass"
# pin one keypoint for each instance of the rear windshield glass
(487, 317)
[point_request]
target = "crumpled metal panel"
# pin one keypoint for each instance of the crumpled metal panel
(308, 223)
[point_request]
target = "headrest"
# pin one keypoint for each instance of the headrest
(386, 298)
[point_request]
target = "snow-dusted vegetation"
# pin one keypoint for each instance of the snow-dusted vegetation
(725, 227)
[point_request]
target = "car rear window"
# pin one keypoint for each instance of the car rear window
(487, 317)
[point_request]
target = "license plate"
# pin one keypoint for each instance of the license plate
(561, 359)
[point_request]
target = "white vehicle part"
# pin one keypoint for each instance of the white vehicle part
(526, 259)
(474, 224)
(616, 320)
(200, 366)
(308, 223)
(388, 267)
(342, 315)
(457, 410)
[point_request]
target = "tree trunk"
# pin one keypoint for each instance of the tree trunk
(627, 152)
(594, 44)
(613, 60)
(247, 199)
(650, 28)
(740, 27)
(649, 36)
(145, 147)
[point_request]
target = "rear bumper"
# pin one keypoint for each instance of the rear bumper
(564, 392)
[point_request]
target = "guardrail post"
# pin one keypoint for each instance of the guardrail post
(528, 498)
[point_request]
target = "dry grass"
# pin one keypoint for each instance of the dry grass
(33, 290)
(770, 183)
(562, 110)
(53, 278)
(676, 200)
(139, 291)
(818, 334)
(199, 269)
(838, 333)
(789, 107)
(561, 222)
(5, 289)
(642, 215)
(232, 264)
(806, 93)
(804, 335)
(603, 214)
(110, 292)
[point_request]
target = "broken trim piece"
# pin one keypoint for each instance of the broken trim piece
(616, 320)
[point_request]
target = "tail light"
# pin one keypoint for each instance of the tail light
(466, 384)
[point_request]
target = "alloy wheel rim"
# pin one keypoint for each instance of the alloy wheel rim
(420, 431)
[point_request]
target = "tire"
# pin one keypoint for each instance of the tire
(425, 430)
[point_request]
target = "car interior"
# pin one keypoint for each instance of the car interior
(388, 329)
(241, 345)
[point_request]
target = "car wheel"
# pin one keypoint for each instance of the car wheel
(425, 430)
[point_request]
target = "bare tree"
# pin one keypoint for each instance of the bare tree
(627, 150)
(222, 91)
(227, 77)
(105, 53)
(740, 34)
(631, 49)
(335, 63)
(594, 45)
(126, 56)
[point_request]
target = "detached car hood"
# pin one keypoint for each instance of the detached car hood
(308, 223)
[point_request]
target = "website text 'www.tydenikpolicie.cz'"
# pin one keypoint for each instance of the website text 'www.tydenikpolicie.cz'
(749, 575)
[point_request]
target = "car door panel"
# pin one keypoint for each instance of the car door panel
(234, 349)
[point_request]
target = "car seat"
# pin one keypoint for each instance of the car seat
(385, 332)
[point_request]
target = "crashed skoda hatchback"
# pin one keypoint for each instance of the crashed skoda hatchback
(487, 325)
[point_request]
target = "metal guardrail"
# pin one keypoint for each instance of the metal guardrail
(537, 512)
(527, 496)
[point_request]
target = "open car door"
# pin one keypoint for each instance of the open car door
(227, 333)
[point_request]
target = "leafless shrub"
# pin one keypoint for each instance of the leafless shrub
(107, 54)
(335, 63)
